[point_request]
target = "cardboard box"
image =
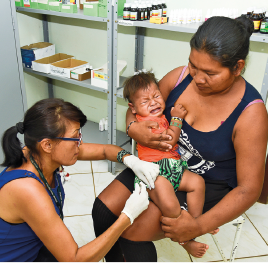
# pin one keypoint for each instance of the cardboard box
(54, 6)
(63, 68)
(99, 76)
(69, 8)
(81, 74)
(43, 64)
(34, 4)
(102, 10)
(120, 7)
(81, 3)
(91, 8)
(158, 20)
(36, 51)
(18, 2)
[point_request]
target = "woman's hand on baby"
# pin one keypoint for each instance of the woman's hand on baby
(142, 133)
(137, 202)
(182, 228)
(146, 171)
(178, 111)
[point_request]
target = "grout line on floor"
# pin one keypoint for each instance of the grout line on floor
(78, 215)
(93, 180)
(256, 229)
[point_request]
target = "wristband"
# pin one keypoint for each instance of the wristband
(173, 123)
(176, 119)
(129, 126)
(121, 154)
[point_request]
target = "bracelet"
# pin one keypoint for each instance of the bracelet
(121, 154)
(176, 119)
(129, 126)
(173, 123)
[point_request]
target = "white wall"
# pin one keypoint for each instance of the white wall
(87, 40)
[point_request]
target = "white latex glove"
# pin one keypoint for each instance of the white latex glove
(137, 202)
(146, 171)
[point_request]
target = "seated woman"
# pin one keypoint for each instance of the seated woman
(31, 225)
(223, 138)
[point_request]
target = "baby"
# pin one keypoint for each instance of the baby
(146, 102)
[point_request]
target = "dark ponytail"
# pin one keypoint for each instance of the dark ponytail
(45, 119)
(224, 39)
(12, 148)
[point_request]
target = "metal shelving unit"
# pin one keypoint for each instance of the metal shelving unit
(91, 128)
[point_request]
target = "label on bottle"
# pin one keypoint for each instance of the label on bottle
(26, 3)
(264, 27)
(159, 12)
(155, 13)
(164, 12)
(126, 15)
(133, 16)
(142, 15)
(145, 15)
(256, 25)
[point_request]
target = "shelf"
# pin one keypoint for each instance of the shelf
(84, 83)
(78, 15)
(92, 134)
(188, 28)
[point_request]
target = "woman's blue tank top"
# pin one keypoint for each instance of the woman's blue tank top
(18, 242)
(210, 154)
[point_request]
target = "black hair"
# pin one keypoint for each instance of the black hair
(139, 81)
(45, 119)
(224, 39)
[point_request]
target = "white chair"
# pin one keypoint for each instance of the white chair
(238, 222)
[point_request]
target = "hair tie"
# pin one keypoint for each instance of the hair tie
(20, 127)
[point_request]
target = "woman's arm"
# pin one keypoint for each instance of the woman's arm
(264, 194)
(146, 171)
(250, 141)
(39, 213)
(141, 132)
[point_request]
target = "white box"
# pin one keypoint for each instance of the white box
(63, 68)
(99, 76)
(43, 64)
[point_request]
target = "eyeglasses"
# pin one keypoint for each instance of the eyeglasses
(78, 140)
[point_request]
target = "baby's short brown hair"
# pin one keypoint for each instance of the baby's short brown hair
(140, 81)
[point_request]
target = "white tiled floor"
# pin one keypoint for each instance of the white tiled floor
(88, 179)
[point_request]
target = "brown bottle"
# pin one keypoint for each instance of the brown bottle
(256, 18)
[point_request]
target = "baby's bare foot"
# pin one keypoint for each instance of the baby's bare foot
(196, 249)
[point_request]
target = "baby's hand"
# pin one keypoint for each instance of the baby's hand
(178, 111)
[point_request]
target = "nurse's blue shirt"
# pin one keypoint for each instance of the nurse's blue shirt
(18, 242)
(210, 154)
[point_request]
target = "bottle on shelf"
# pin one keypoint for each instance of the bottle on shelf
(144, 6)
(149, 10)
(264, 24)
(256, 18)
(140, 12)
(164, 7)
(126, 11)
(133, 12)
(249, 12)
(154, 9)
(160, 8)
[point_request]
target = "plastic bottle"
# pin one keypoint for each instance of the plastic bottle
(149, 10)
(133, 12)
(160, 9)
(164, 7)
(126, 11)
(140, 14)
(170, 20)
(101, 125)
(106, 125)
(144, 6)
(256, 18)
(154, 9)
(264, 25)
(208, 15)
